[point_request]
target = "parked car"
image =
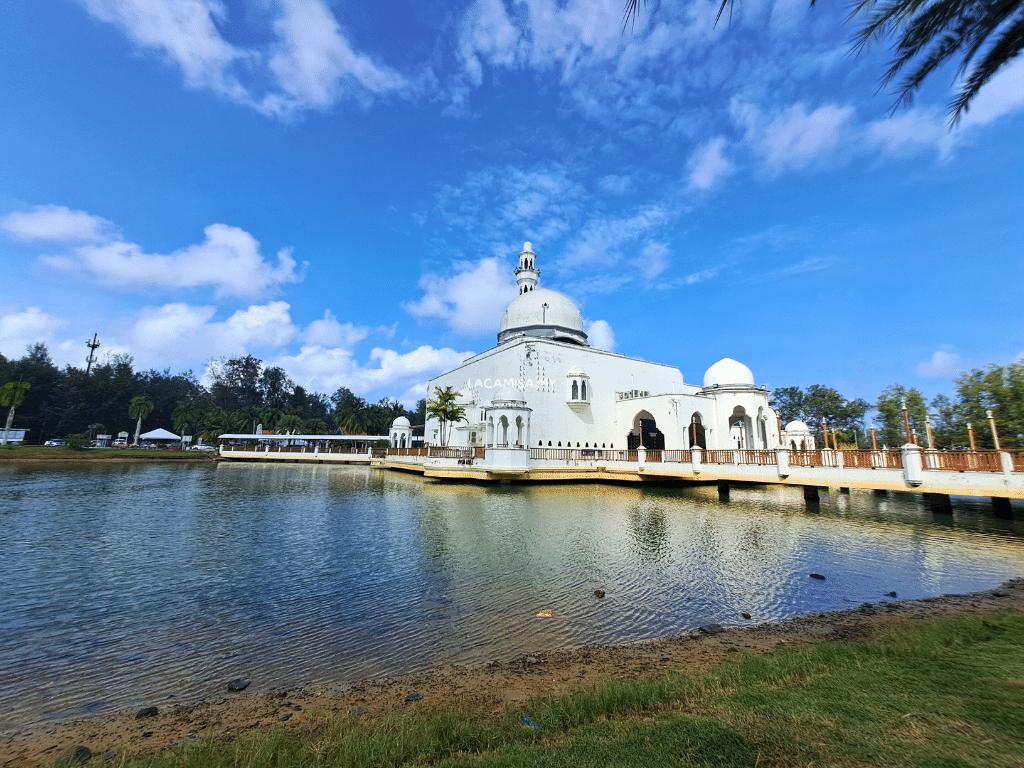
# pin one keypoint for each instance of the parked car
(54, 443)
(119, 443)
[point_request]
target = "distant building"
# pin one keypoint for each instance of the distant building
(544, 386)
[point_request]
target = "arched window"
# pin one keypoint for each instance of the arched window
(583, 390)
(575, 390)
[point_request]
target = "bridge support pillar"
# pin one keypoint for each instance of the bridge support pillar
(844, 491)
(939, 503)
(811, 493)
(1001, 508)
(880, 492)
(723, 491)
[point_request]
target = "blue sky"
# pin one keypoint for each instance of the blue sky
(342, 189)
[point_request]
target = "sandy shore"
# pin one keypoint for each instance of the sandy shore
(486, 688)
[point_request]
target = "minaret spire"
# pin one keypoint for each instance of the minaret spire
(527, 274)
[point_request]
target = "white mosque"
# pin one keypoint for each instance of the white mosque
(544, 386)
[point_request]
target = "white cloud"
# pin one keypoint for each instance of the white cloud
(185, 31)
(601, 241)
(654, 259)
(56, 222)
(328, 332)
(229, 260)
(909, 131)
(19, 329)
(307, 64)
(470, 301)
(324, 370)
(708, 166)
(615, 185)
(313, 61)
(163, 335)
(1003, 94)
(944, 364)
(600, 335)
(793, 138)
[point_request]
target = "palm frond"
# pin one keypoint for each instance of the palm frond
(1006, 48)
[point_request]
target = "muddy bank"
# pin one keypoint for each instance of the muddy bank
(486, 688)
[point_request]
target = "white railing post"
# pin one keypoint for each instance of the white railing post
(696, 456)
(913, 471)
(782, 460)
(1007, 458)
(641, 455)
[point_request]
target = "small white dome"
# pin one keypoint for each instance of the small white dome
(508, 394)
(797, 426)
(542, 312)
(576, 371)
(527, 247)
(728, 372)
(401, 421)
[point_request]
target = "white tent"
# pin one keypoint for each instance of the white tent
(159, 434)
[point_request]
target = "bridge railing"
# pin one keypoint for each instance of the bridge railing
(813, 459)
(759, 457)
(719, 457)
(962, 461)
(677, 457)
(873, 459)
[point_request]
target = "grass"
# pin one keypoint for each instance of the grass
(42, 453)
(943, 693)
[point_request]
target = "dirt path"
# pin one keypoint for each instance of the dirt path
(486, 687)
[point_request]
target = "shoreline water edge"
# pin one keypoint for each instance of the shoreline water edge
(486, 688)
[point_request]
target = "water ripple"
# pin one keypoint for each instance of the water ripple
(125, 586)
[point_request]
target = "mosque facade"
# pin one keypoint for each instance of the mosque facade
(544, 386)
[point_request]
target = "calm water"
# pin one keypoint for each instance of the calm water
(124, 586)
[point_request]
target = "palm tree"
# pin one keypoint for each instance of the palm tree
(444, 408)
(291, 424)
(932, 33)
(13, 394)
(139, 408)
(185, 416)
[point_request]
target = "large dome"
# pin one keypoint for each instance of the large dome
(728, 373)
(544, 313)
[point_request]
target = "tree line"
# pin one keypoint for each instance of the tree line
(48, 401)
(244, 393)
(996, 388)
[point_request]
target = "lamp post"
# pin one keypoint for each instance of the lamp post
(824, 429)
(992, 426)
(906, 419)
(970, 436)
(931, 435)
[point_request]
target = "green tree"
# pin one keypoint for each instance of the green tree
(889, 421)
(350, 412)
(788, 404)
(444, 408)
(999, 389)
(929, 34)
(819, 403)
(947, 429)
(139, 408)
(291, 423)
(12, 394)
